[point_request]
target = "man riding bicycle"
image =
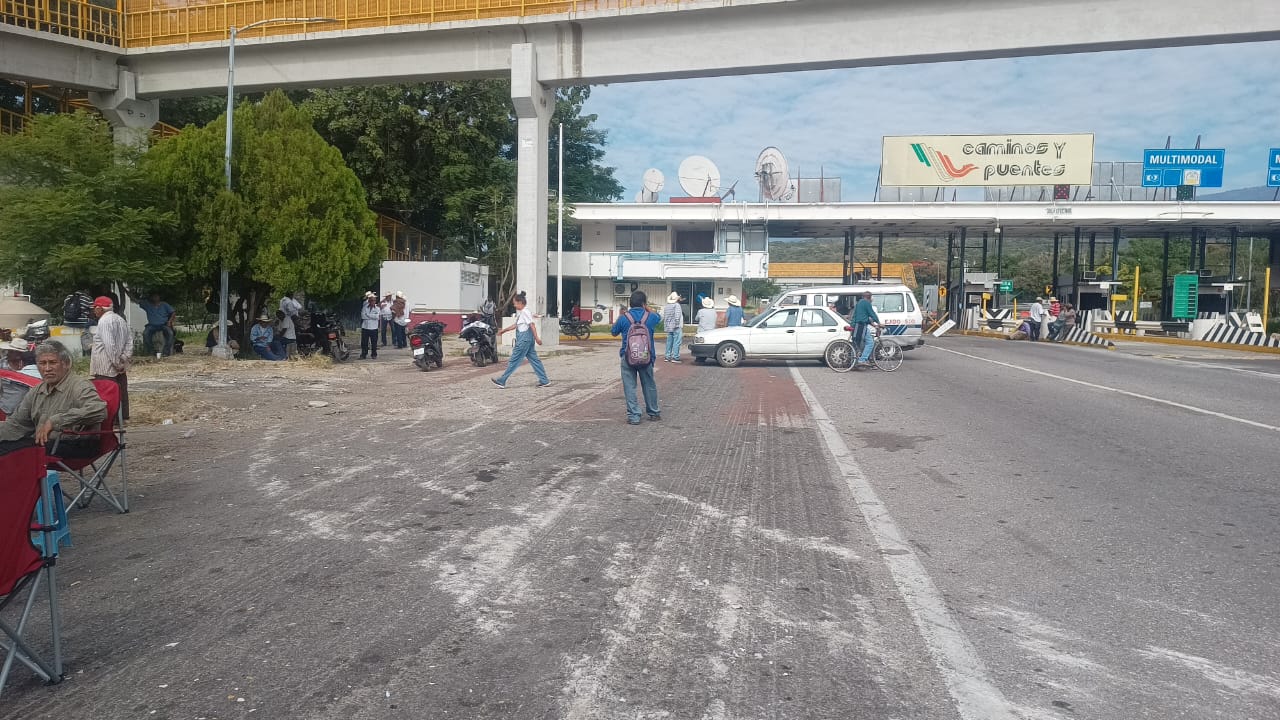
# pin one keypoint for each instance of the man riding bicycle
(864, 314)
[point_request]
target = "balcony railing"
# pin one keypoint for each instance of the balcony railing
(626, 265)
(70, 18)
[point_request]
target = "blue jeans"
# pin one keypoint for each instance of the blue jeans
(149, 334)
(868, 342)
(524, 350)
(399, 336)
(673, 343)
(269, 352)
(648, 386)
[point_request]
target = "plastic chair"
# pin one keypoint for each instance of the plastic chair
(92, 473)
(22, 567)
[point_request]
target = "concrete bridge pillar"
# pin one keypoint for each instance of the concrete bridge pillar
(534, 103)
(131, 119)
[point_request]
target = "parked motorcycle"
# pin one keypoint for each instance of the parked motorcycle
(573, 326)
(35, 333)
(325, 334)
(426, 343)
(482, 339)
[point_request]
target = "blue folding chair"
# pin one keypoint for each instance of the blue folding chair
(62, 528)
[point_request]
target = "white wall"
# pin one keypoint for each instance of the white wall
(444, 286)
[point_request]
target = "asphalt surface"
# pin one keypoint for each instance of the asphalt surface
(998, 529)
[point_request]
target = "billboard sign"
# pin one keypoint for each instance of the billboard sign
(1273, 168)
(984, 160)
(1174, 168)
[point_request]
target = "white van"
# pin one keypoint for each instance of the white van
(894, 303)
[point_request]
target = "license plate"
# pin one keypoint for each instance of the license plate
(417, 352)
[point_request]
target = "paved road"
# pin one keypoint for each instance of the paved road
(960, 539)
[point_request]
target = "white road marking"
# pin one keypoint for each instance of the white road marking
(975, 695)
(1107, 388)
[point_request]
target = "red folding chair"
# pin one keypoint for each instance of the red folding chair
(22, 567)
(92, 473)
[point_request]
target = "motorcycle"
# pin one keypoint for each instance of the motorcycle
(482, 339)
(35, 333)
(571, 325)
(426, 343)
(323, 334)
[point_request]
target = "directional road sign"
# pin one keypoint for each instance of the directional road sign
(1174, 168)
(1006, 286)
(1273, 168)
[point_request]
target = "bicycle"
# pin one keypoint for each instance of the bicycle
(886, 354)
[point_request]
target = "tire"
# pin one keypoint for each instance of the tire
(729, 355)
(887, 356)
(585, 333)
(423, 364)
(839, 356)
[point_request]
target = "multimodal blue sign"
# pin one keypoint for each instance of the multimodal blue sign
(1172, 168)
(1273, 168)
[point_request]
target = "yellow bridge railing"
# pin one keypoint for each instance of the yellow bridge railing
(149, 23)
(70, 18)
(406, 242)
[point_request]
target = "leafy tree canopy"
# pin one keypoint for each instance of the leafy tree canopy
(297, 217)
(77, 212)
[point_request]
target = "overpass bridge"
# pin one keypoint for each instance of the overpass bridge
(130, 55)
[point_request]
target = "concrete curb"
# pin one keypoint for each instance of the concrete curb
(1002, 336)
(1196, 343)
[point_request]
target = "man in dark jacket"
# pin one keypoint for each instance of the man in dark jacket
(635, 314)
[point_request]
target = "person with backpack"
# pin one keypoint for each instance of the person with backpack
(636, 327)
(527, 336)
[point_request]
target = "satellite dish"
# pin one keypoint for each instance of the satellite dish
(654, 181)
(640, 196)
(699, 177)
(773, 175)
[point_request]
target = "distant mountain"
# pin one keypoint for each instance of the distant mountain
(1253, 194)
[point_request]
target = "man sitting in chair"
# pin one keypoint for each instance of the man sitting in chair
(62, 401)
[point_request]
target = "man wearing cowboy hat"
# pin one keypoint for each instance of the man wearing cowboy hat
(399, 319)
(263, 339)
(112, 349)
(673, 322)
(370, 315)
(706, 317)
(15, 356)
(733, 317)
(1036, 315)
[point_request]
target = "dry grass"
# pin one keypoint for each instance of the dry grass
(154, 407)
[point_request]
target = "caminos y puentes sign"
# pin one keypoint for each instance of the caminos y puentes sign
(978, 160)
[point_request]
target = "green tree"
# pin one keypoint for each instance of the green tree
(297, 217)
(77, 212)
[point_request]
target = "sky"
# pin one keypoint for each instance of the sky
(833, 120)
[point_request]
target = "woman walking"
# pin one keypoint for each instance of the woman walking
(526, 337)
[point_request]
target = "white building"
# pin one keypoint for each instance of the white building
(693, 249)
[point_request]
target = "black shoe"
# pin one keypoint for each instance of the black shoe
(655, 418)
(545, 384)
(363, 357)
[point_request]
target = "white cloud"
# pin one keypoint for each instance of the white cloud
(834, 119)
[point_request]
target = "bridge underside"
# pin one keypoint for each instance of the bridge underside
(700, 39)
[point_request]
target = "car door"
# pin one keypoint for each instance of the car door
(817, 329)
(776, 334)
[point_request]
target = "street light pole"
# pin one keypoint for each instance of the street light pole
(223, 350)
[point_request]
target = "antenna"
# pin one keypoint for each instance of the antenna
(652, 183)
(730, 193)
(772, 175)
(699, 176)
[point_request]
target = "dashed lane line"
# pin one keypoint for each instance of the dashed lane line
(975, 695)
(1108, 388)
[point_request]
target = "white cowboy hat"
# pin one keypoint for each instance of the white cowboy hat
(673, 297)
(708, 303)
(369, 294)
(264, 318)
(733, 300)
(13, 345)
(400, 294)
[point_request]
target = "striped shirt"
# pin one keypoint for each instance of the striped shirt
(112, 346)
(672, 317)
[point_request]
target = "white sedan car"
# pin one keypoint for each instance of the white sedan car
(785, 333)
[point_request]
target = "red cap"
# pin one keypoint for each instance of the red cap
(102, 301)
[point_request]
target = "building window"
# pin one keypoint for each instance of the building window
(635, 238)
(695, 241)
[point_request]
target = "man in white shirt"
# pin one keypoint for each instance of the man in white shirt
(1036, 316)
(370, 316)
(384, 310)
(290, 307)
(112, 349)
